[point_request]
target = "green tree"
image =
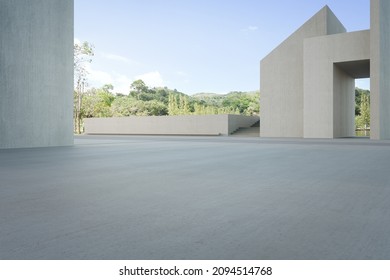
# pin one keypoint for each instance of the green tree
(122, 106)
(184, 108)
(137, 88)
(97, 102)
(82, 56)
(245, 103)
(155, 108)
(358, 97)
(144, 101)
(173, 108)
(365, 110)
(162, 95)
(362, 108)
(108, 88)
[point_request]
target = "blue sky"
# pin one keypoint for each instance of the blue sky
(195, 45)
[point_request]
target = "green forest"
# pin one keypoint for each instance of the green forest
(362, 109)
(142, 100)
(161, 101)
(145, 101)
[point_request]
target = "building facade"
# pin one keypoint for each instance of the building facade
(307, 83)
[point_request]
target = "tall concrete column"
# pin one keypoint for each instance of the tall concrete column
(380, 69)
(36, 73)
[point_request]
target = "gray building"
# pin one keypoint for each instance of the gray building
(308, 81)
(36, 73)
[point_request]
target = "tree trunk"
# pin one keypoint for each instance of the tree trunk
(80, 89)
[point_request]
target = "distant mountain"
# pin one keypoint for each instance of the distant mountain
(210, 94)
(206, 94)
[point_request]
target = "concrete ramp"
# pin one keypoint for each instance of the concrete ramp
(253, 131)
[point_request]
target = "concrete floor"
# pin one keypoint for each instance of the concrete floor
(122, 197)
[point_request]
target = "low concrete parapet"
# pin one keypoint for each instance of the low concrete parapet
(169, 125)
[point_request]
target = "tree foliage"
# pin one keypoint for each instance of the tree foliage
(362, 108)
(97, 102)
(145, 101)
(82, 57)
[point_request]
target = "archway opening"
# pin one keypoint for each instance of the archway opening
(352, 98)
(362, 107)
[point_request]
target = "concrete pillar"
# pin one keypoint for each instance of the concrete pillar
(36, 73)
(343, 103)
(380, 69)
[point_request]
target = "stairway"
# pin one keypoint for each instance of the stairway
(253, 131)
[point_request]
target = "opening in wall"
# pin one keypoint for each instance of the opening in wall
(362, 107)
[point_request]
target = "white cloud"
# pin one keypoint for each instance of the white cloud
(151, 79)
(115, 57)
(252, 28)
(97, 77)
(76, 41)
(122, 84)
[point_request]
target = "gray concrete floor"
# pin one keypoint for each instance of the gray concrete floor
(122, 197)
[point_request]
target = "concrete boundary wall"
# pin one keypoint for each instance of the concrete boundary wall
(169, 125)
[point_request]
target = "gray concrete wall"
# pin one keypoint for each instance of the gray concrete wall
(281, 79)
(328, 89)
(343, 104)
(380, 69)
(169, 125)
(36, 73)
